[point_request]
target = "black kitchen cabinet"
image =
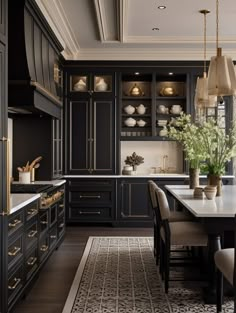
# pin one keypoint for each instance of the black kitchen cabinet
(57, 137)
(90, 125)
(133, 202)
(3, 21)
(90, 200)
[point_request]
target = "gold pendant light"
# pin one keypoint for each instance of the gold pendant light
(221, 74)
(202, 99)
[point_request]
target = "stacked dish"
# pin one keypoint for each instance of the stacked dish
(162, 122)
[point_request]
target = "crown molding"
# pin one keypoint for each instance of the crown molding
(56, 18)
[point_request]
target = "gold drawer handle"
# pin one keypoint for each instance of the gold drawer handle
(90, 197)
(61, 205)
(14, 251)
(53, 236)
(32, 211)
(14, 223)
(89, 213)
(44, 248)
(61, 225)
(16, 283)
(32, 260)
(32, 233)
(44, 222)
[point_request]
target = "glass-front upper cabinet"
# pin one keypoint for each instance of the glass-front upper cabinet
(91, 83)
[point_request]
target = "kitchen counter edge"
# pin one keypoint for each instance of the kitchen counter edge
(20, 200)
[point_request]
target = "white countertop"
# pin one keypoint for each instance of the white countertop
(19, 200)
(158, 175)
(223, 206)
(56, 182)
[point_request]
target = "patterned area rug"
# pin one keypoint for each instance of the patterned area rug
(119, 275)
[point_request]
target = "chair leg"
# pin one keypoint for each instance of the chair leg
(158, 245)
(162, 261)
(155, 239)
(219, 291)
(167, 267)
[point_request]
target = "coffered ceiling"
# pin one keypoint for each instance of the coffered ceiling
(138, 30)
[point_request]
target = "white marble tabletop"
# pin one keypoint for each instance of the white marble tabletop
(19, 200)
(223, 206)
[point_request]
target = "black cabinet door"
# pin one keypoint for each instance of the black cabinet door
(3, 18)
(91, 137)
(134, 200)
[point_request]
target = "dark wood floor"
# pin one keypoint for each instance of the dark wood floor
(49, 292)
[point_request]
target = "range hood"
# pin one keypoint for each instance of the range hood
(34, 80)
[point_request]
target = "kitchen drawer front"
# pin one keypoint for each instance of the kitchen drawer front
(43, 221)
(53, 237)
(43, 247)
(83, 197)
(61, 226)
(31, 210)
(31, 262)
(15, 222)
(60, 208)
(15, 282)
(90, 213)
(31, 235)
(15, 250)
(83, 184)
(53, 215)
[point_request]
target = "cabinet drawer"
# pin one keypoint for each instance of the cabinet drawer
(15, 222)
(60, 208)
(91, 183)
(43, 221)
(31, 234)
(53, 215)
(31, 210)
(15, 282)
(15, 250)
(61, 226)
(53, 236)
(31, 263)
(43, 247)
(91, 196)
(90, 214)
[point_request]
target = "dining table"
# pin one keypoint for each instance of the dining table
(218, 218)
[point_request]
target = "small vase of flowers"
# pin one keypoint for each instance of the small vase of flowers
(134, 160)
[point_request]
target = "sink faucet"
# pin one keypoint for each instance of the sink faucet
(164, 168)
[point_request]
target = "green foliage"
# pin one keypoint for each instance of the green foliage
(134, 159)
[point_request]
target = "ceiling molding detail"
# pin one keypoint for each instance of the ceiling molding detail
(109, 19)
(55, 16)
(153, 54)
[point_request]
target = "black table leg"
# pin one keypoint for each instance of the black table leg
(209, 294)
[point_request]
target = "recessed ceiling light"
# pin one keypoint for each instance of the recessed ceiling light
(136, 73)
(171, 73)
(155, 28)
(161, 7)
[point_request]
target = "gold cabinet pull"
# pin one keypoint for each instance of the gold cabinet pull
(61, 225)
(16, 282)
(14, 223)
(44, 222)
(8, 179)
(89, 213)
(90, 196)
(44, 248)
(53, 236)
(32, 233)
(61, 205)
(14, 251)
(32, 211)
(31, 261)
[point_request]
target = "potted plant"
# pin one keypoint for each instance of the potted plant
(220, 148)
(134, 160)
(189, 135)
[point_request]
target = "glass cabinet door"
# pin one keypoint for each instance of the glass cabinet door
(79, 83)
(91, 83)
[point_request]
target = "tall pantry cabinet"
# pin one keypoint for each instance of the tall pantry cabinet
(4, 175)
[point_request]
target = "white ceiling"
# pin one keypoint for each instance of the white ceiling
(122, 29)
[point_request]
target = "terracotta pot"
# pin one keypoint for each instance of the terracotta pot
(193, 177)
(215, 180)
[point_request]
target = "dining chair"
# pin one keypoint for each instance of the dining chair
(175, 216)
(225, 267)
(179, 233)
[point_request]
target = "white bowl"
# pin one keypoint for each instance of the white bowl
(141, 123)
(130, 122)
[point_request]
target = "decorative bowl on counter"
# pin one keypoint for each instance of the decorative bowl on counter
(141, 123)
(129, 109)
(130, 122)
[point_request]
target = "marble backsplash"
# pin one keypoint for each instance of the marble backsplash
(153, 153)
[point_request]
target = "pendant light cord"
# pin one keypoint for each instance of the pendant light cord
(204, 68)
(217, 25)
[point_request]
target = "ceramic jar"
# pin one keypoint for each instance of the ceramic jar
(129, 109)
(176, 109)
(136, 91)
(168, 91)
(161, 109)
(210, 192)
(163, 132)
(141, 123)
(141, 109)
(80, 85)
(130, 122)
(101, 85)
